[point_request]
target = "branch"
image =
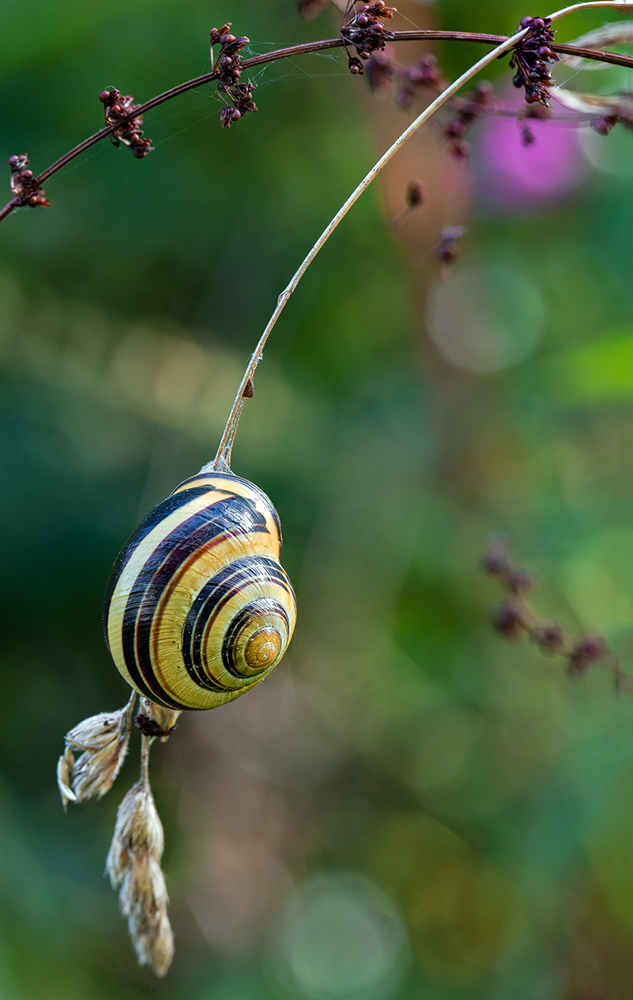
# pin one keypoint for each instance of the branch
(515, 617)
(306, 49)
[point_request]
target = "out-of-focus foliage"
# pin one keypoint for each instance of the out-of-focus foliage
(409, 807)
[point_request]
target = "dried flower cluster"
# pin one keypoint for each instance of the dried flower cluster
(102, 740)
(530, 59)
(129, 130)
(515, 617)
(382, 70)
(133, 865)
(237, 97)
(479, 103)
(364, 29)
(425, 75)
(24, 187)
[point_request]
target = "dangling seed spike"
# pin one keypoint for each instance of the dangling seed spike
(133, 865)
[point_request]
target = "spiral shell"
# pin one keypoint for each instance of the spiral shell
(198, 608)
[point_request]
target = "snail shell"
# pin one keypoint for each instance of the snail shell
(198, 608)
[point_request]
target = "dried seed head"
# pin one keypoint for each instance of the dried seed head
(133, 865)
(102, 741)
(128, 131)
(23, 185)
(530, 59)
(477, 104)
(364, 28)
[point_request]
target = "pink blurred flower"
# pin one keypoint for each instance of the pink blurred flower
(516, 177)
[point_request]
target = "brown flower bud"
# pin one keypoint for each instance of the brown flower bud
(415, 194)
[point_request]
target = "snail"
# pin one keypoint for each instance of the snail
(198, 608)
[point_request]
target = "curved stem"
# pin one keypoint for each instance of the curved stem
(222, 460)
(613, 4)
(320, 46)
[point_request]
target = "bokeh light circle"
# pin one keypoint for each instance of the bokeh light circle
(486, 318)
(612, 154)
(341, 938)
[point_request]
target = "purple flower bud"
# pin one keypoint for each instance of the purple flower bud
(520, 582)
(504, 619)
(550, 637)
(591, 648)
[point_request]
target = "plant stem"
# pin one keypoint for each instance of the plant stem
(146, 743)
(320, 46)
(613, 4)
(222, 461)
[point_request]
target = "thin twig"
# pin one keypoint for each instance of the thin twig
(306, 49)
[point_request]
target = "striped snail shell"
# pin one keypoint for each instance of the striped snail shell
(198, 608)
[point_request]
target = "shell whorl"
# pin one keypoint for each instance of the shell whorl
(198, 608)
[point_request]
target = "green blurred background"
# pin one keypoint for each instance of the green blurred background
(409, 807)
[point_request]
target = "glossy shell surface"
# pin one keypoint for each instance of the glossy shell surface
(198, 608)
